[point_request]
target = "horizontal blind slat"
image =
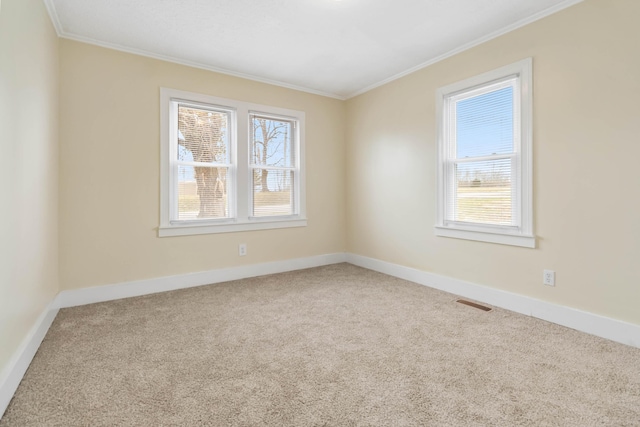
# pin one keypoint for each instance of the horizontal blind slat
(273, 165)
(202, 164)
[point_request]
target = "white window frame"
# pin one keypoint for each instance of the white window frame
(522, 233)
(240, 190)
(295, 169)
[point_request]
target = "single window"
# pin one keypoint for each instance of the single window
(229, 165)
(484, 157)
(202, 163)
(274, 166)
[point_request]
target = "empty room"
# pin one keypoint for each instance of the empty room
(320, 213)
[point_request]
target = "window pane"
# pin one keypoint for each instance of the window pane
(484, 124)
(202, 193)
(202, 135)
(272, 192)
(271, 142)
(483, 192)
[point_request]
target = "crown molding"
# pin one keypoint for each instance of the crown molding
(521, 23)
(53, 15)
(193, 64)
(61, 33)
(199, 65)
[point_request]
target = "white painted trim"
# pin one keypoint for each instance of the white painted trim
(76, 297)
(21, 359)
(542, 14)
(480, 236)
(615, 330)
(240, 188)
(194, 64)
(19, 363)
(195, 229)
(522, 182)
(526, 21)
(605, 327)
(53, 15)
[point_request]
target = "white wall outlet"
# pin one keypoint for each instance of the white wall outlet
(549, 277)
(242, 249)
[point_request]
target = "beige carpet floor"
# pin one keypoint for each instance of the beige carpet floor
(329, 346)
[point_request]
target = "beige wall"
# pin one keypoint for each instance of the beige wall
(110, 171)
(586, 164)
(28, 170)
(586, 146)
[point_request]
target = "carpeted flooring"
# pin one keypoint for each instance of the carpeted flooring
(329, 346)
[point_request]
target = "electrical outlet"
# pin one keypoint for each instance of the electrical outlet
(549, 277)
(242, 249)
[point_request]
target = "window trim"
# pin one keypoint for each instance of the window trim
(523, 235)
(239, 158)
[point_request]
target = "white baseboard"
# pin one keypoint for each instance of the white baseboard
(605, 327)
(12, 375)
(18, 364)
(75, 297)
(615, 330)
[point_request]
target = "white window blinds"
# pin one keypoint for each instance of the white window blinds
(484, 190)
(481, 157)
(229, 165)
(273, 165)
(201, 163)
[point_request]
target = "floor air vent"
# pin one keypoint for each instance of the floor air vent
(473, 304)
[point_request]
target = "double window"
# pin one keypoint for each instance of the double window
(484, 157)
(229, 165)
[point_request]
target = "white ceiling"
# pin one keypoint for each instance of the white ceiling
(338, 48)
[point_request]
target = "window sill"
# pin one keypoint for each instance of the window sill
(192, 229)
(483, 236)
